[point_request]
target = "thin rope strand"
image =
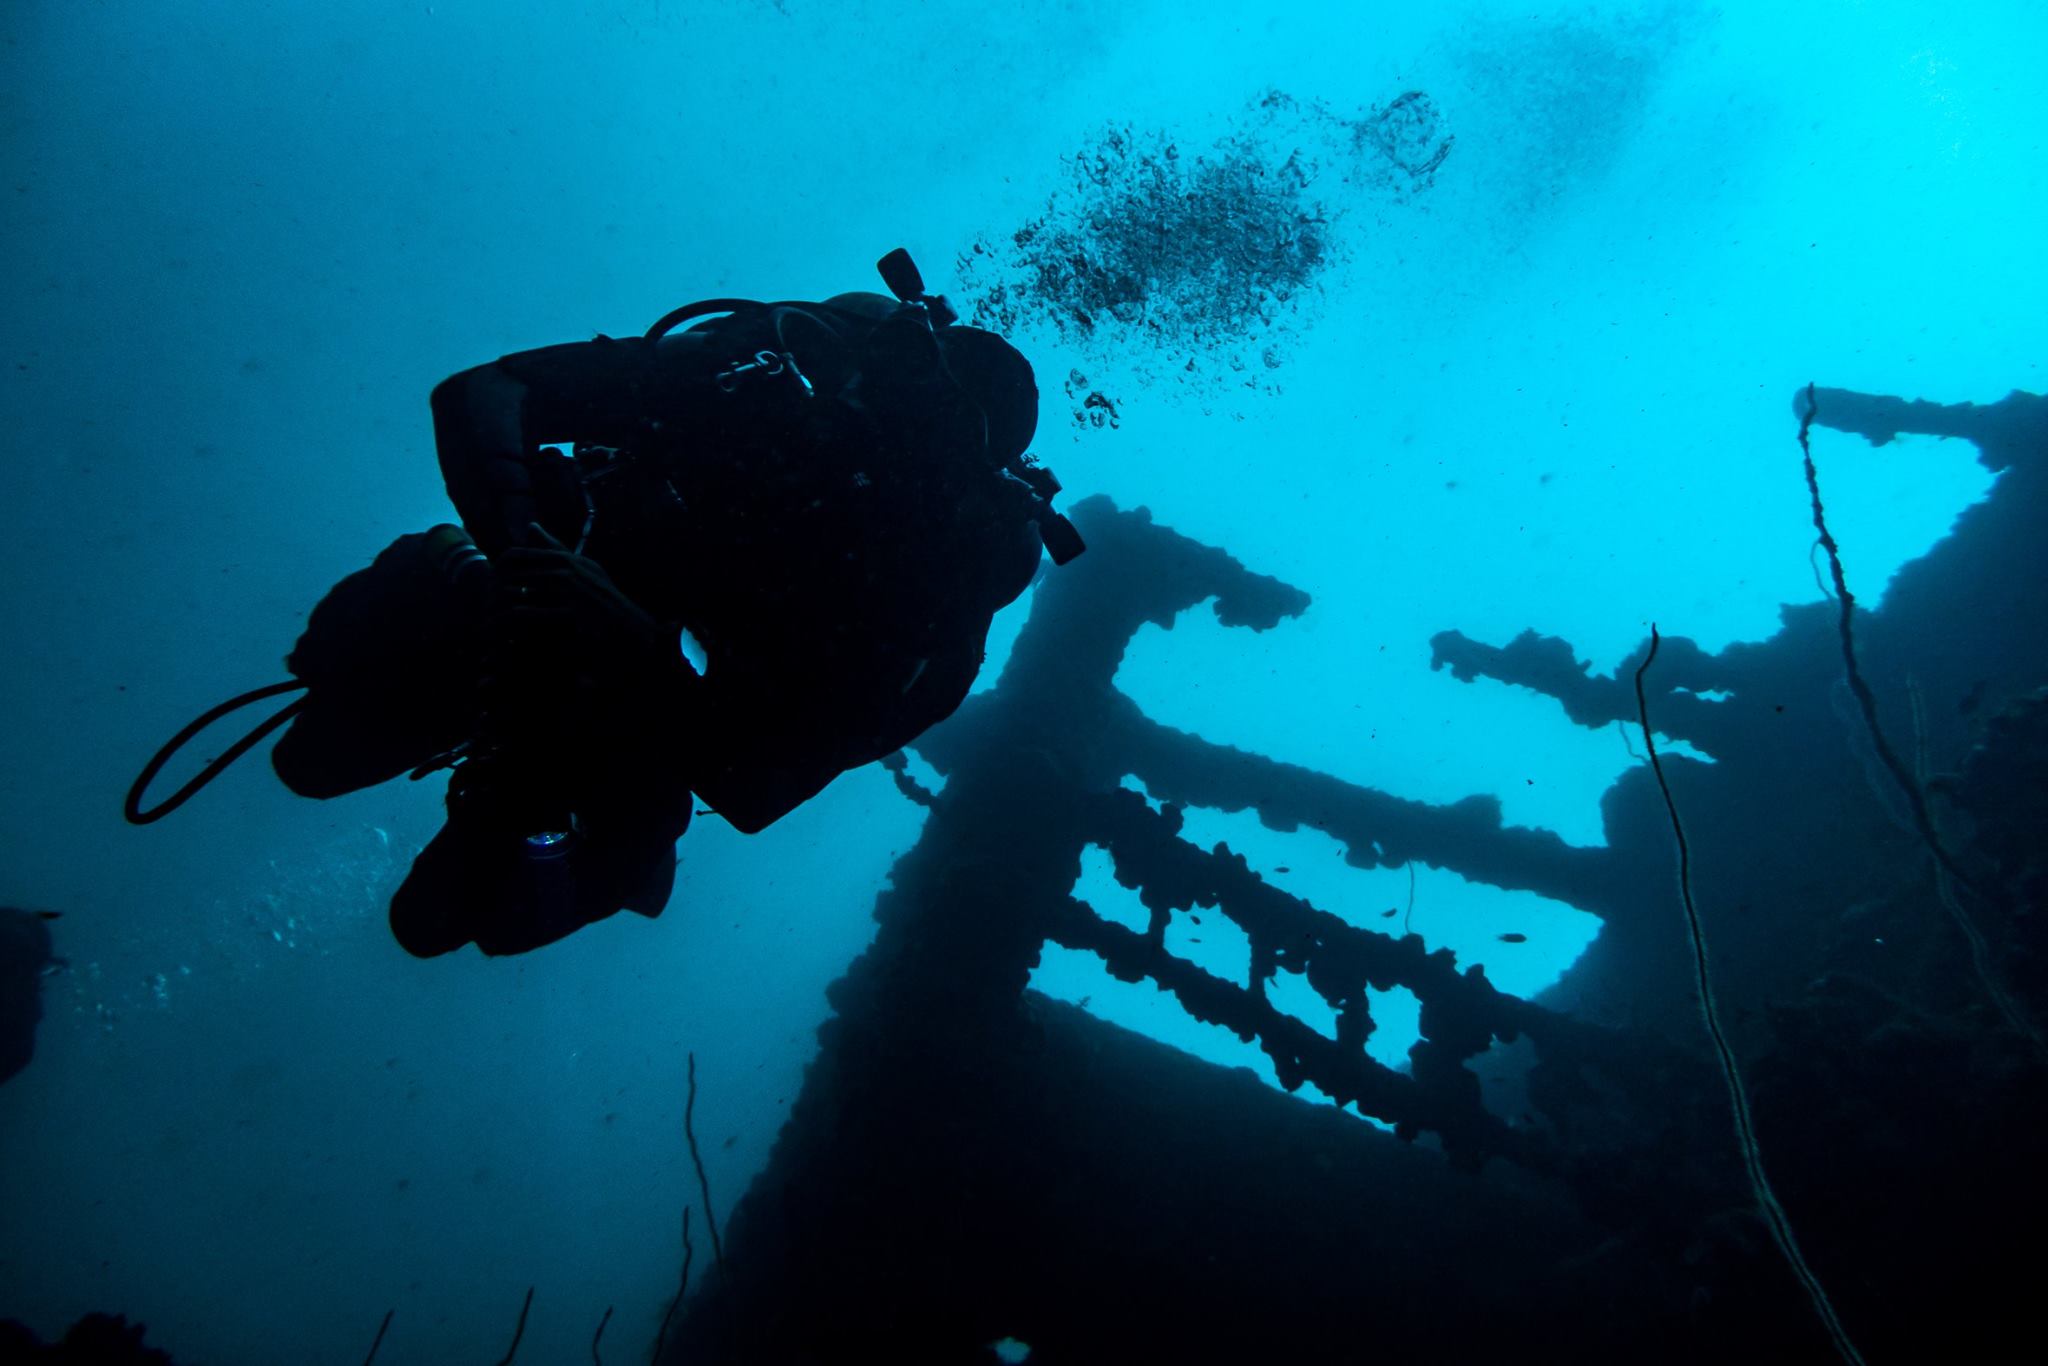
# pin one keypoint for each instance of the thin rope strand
(1775, 1217)
(1948, 874)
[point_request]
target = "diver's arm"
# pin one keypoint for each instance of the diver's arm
(489, 421)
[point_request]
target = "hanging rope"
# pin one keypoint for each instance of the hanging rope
(1916, 800)
(1948, 874)
(1779, 1222)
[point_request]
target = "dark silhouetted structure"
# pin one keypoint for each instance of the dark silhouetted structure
(25, 957)
(970, 1162)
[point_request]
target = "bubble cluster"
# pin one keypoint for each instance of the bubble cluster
(308, 904)
(1163, 258)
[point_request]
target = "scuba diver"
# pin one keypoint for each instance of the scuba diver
(824, 503)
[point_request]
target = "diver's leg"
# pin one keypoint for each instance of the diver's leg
(565, 730)
(389, 657)
(486, 879)
(341, 745)
(457, 883)
(603, 875)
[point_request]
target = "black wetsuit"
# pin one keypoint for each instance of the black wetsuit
(839, 558)
(841, 576)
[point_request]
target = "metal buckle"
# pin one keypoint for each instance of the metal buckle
(770, 363)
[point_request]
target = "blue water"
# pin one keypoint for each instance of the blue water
(1549, 389)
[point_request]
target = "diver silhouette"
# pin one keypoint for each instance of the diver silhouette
(827, 502)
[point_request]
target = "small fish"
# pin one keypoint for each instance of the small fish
(730, 1141)
(1512, 938)
(1083, 1002)
(1390, 912)
(1283, 868)
(49, 915)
